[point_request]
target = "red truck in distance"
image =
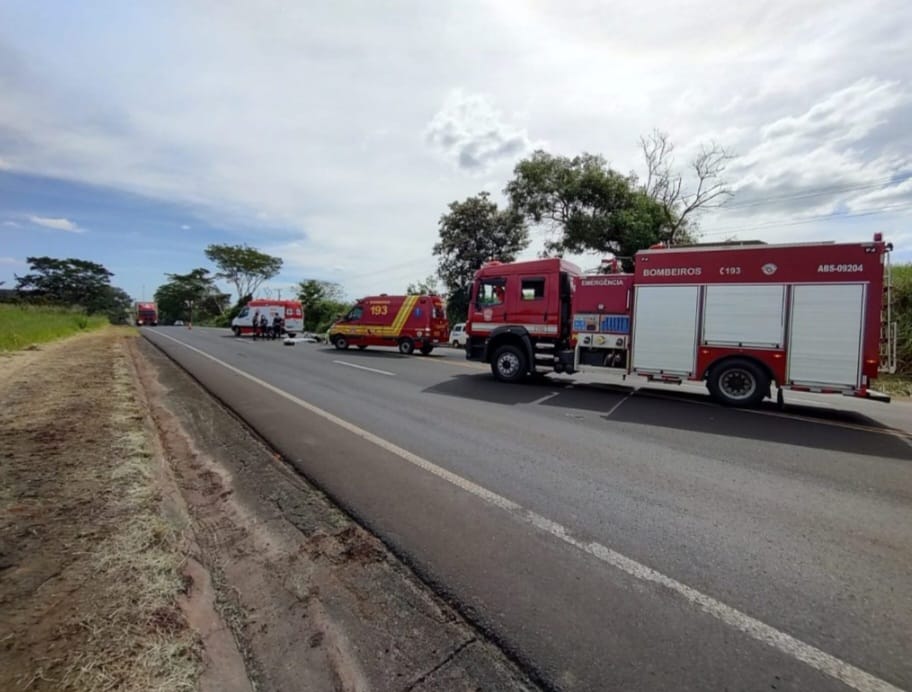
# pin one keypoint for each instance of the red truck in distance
(146, 314)
(809, 317)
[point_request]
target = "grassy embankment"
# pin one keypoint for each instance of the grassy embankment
(24, 325)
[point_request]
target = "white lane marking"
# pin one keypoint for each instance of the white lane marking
(362, 367)
(817, 659)
(619, 404)
(543, 399)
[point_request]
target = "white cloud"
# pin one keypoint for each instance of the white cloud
(11, 224)
(12, 261)
(185, 227)
(354, 130)
(4, 166)
(470, 132)
(59, 224)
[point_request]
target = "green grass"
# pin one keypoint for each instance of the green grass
(894, 385)
(24, 325)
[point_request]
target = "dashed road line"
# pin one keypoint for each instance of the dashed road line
(364, 367)
(543, 399)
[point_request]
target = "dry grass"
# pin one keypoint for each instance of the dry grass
(92, 599)
(140, 640)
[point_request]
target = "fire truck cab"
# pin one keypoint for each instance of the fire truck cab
(810, 317)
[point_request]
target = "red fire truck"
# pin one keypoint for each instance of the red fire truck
(809, 317)
(146, 314)
(406, 322)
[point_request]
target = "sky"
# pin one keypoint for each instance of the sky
(334, 135)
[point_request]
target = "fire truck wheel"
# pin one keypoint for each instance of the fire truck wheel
(340, 342)
(509, 364)
(426, 349)
(406, 346)
(738, 382)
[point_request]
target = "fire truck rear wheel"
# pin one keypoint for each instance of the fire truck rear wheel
(340, 342)
(426, 349)
(509, 364)
(406, 346)
(738, 382)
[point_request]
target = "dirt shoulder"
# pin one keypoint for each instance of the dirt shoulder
(149, 541)
(91, 565)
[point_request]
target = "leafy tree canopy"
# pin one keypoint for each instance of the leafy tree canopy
(426, 286)
(586, 205)
(322, 301)
(70, 281)
(473, 232)
(197, 289)
(246, 268)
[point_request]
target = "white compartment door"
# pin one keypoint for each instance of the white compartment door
(665, 329)
(738, 315)
(825, 339)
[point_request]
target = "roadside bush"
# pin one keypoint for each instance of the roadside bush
(902, 304)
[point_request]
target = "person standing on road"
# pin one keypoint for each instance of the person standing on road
(264, 326)
(256, 324)
(276, 326)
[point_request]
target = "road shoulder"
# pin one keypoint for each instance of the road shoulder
(311, 599)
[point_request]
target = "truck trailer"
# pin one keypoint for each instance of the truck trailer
(806, 316)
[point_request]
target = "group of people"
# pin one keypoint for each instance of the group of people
(263, 328)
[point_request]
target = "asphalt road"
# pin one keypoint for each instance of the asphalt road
(606, 536)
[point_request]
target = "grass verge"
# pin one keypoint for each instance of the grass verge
(894, 385)
(139, 640)
(24, 325)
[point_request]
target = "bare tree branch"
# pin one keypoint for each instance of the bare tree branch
(667, 187)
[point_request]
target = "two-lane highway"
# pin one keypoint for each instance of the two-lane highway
(607, 537)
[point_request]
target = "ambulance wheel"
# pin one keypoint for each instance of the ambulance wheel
(426, 349)
(738, 382)
(340, 342)
(236, 330)
(406, 347)
(361, 347)
(509, 364)
(455, 343)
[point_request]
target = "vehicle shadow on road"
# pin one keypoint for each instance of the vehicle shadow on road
(796, 425)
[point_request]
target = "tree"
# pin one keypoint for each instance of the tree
(473, 232)
(244, 267)
(666, 187)
(198, 288)
(586, 206)
(426, 286)
(116, 304)
(73, 282)
(322, 301)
